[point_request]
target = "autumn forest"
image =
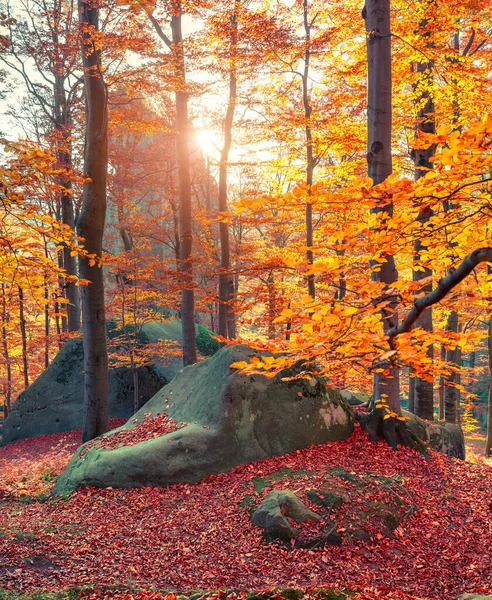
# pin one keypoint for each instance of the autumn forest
(245, 304)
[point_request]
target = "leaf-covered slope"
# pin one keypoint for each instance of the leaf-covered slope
(200, 537)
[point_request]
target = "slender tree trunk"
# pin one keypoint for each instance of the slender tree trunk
(185, 218)
(22, 323)
(272, 305)
(91, 228)
(411, 392)
(379, 166)
(225, 292)
(46, 313)
(423, 389)
(62, 321)
(441, 386)
(459, 359)
(64, 157)
(46, 323)
(342, 282)
(488, 443)
(310, 161)
(450, 391)
(136, 390)
(6, 356)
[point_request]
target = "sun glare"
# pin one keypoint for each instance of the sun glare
(209, 141)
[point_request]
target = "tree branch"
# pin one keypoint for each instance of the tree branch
(445, 285)
(158, 29)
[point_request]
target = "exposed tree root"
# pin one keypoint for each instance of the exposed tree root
(395, 432)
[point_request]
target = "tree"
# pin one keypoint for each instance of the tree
(488, 441)
(91, 227)
(44, 56)
(379, 167)
(187, 309)
(226, 284)
(421, 393)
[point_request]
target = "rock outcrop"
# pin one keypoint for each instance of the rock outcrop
(54, 402)
(225, 418)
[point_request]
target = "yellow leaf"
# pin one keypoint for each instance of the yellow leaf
(239, 365)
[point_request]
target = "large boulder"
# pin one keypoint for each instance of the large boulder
(54, 401)
(443, 437)
(226, 418)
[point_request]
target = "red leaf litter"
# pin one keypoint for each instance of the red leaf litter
(148, 429)
(199, 536)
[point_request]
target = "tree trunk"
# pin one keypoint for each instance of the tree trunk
(441, 386)
(46, 324)
(225, 292)
(411, 392)
(379, 166)
(423, 389)
(91, 228)
(185, 221)
(64, 158)
(6, 356)
(450, 391)
(272, 305)
(488, 443)
(310, 162)
(22, 323)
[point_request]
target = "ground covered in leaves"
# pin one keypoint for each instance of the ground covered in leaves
(199, 537)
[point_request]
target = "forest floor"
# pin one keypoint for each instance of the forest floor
(199, 537)
(475, 446)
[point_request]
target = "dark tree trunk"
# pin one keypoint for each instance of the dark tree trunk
(379, 166)
(46, 324)
(423, 389)
(272, 305)
(22, 323)
(226, 285)
(6, 356)
(64, 157)
(185, 219)
(91, 228)
(411, 392)
(488, 442)
(450, 391)
(310, 161)
(441, 386)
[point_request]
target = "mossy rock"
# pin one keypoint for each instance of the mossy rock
(442, 437)
(232, 418)
(345, 506)
(53, 403)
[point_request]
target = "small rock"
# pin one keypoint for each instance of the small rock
(273, 512)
